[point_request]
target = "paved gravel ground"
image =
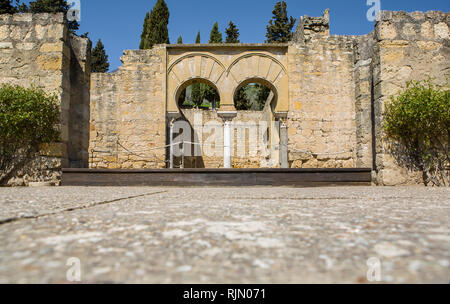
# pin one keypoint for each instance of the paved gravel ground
(226, 235)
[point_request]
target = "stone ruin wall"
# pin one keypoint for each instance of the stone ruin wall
(403, 47)
(408, 46)
(37, 50)
(321, 122)
(338, 86)
(337, 89)
(128, 117)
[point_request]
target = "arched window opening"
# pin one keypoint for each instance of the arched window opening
(252, 97)
(199, 95)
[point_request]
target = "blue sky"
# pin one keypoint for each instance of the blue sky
(119, 23)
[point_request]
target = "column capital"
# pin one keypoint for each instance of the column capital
(171, 116)
(227, 116)
(281, 115)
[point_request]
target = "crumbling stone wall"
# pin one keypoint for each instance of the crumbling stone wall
(408, 46)
(363, 49)
(321, 122)
(38, 50)
(128, 118)
(337, 89)
(312, 26)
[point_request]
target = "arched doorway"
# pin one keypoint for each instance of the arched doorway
(198, 100)
(255, 137)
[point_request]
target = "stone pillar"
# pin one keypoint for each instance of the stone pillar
(227, 118)
(284, 140)
(171, 143)
(284, 150)
(172, 117)
(227, 144)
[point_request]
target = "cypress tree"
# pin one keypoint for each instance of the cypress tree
(197, 40)
(280, 27)
(215, 36)
(232, 33)
(99, 63)
(156, 31)
(180, 40)
(144, 35)
(53, 6)
(6, 7)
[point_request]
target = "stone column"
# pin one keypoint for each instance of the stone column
(284, 150)
(284, 141)
(172, 117)
(227, 118)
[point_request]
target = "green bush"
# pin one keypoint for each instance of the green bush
(418, 123)
(28, 118)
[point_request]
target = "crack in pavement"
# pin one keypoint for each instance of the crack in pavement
(87, 206)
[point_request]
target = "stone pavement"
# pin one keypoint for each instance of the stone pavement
(225, 235)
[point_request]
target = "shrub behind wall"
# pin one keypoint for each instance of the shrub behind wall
(417, 121)
(28, 119)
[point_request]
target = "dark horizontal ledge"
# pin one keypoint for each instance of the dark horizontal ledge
(218, 171)
(217, 177)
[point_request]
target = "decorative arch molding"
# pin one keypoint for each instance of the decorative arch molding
(256, 65)
(227, 68)
(196, 66)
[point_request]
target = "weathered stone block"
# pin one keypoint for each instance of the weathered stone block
(441, 30)
(6, 45)
(49, 62)
(25, 46)
(23, 17)
(52, 47)
(19, 33)
(387, 31)
(429, 45)
(427, 31)
(40, 31)
(4, 32)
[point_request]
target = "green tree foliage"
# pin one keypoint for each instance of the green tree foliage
(99, 59)
(155, 29)
(180, 40)
(417, 122)
(232, 33)
(202, 96)
(198, 39)
(6, 7)
(52, 6)
(251, 97)
(28, 118)
(144, 35)
(280, 27)
(215, 35)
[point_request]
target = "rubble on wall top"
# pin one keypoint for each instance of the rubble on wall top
(41, 18)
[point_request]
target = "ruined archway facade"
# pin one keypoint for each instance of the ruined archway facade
(227, 68)
(328, 97)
